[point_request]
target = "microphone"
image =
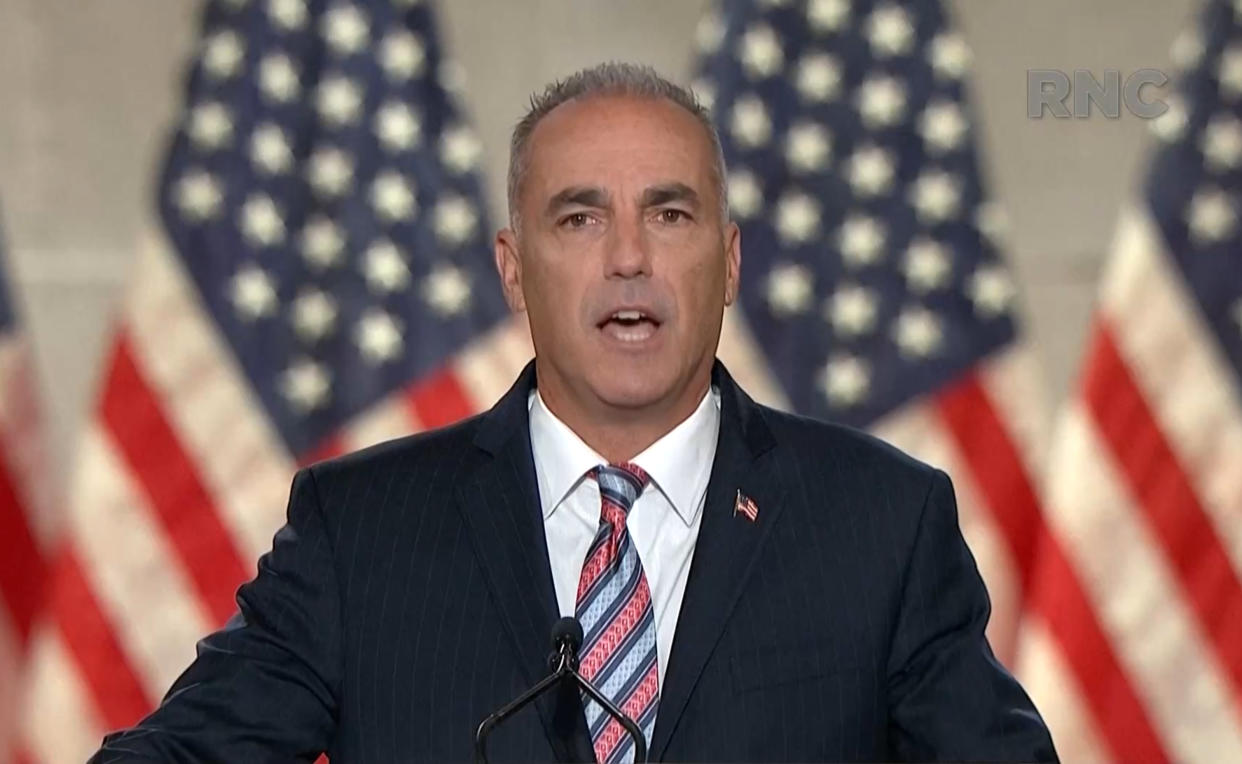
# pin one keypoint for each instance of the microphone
(566, 640)
(563, 663)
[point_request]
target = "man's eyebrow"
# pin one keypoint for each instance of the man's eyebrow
(669, 192)
(582, 196)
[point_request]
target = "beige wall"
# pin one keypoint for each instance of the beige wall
(88, 89)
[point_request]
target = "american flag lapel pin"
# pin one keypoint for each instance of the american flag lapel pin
(746, 507)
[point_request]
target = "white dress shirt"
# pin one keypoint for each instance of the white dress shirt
(663, 523)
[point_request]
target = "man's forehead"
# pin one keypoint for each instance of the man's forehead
(636, 135)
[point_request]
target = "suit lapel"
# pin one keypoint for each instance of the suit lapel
(725, 553)
(499, 503)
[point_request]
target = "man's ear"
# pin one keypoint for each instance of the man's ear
(733, 262)
(509, 266)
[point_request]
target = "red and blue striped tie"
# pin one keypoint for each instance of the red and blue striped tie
(618, 622)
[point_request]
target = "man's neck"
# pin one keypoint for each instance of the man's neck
(620, 434)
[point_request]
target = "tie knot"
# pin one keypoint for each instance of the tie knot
(622, 484)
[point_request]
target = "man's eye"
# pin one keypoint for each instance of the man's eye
(576, 220)
(673, 216)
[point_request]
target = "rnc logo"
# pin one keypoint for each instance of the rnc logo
(1050, 88)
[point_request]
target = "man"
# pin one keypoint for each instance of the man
(752, 585)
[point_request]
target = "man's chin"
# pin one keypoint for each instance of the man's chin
(632, 392)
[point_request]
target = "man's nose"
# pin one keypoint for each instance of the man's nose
(628, 251)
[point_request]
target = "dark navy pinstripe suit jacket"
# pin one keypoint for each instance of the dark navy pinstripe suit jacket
(410, 595)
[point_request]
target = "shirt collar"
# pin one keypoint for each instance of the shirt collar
(679, 463)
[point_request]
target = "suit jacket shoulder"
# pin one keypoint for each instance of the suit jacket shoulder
(428, 449)
(863, 481)
(816, 440)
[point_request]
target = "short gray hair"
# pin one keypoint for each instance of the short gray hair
(608, 79)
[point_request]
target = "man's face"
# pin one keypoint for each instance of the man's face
(622, 261)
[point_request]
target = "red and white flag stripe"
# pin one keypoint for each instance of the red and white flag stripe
(1146, 495)
(27, 523)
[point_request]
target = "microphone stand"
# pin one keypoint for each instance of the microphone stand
(564, 662)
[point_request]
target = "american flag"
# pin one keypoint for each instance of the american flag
(873, 292)
(1145, 474)
(319, 279)
(25, 511)
(746, 507)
